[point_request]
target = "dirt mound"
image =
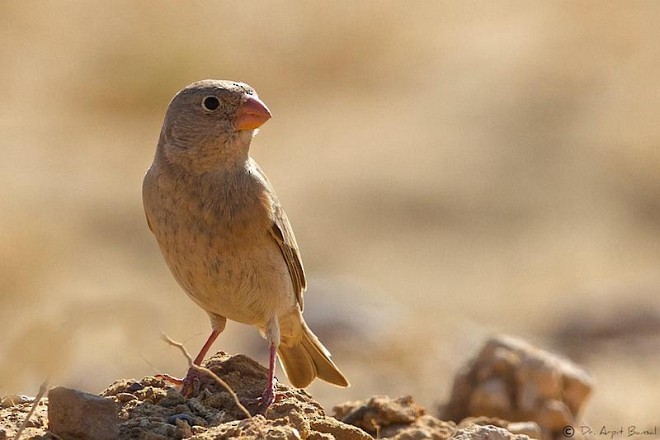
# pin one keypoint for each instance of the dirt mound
(536, 391)
(150, 409)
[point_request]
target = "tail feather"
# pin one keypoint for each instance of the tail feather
(308, 359)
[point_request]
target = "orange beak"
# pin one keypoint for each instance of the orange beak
(252, 114)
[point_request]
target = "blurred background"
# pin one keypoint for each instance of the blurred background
(451, 169)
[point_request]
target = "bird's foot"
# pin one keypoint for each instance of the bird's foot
(268, 396)
(266, 399)
(189, 384)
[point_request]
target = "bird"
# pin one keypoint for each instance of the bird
(223, 232)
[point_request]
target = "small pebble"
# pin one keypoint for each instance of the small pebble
(195, 430)
(187, 417)
(125, 397)
(15, 399)
(35, 423)
(135, 386)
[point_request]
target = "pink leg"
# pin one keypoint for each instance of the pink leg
(192, 377)
(205, 349)
(268, 395)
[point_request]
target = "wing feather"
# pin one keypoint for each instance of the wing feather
(282, 233)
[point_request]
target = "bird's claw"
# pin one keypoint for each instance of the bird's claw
(268, 397)
(189, 384)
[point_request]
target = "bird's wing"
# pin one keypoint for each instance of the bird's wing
(281, 230)
(283, 235)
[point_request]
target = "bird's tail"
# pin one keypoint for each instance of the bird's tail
(307, 360)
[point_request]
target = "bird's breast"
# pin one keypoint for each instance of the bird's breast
(216, 241)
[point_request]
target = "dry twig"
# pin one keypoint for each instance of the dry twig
(37, 399)
(224, 384)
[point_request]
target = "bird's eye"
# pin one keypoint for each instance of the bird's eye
(210, 103)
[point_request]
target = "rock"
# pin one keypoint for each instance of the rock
(379, 412)
(509, 379)
(385, 417)
(554, 415)
(402, 419)
(73, 414)
(14, 399)
(530, 429)
(485, 432)
(491, 393)
(330, 429)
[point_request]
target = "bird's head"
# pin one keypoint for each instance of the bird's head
(210, 123)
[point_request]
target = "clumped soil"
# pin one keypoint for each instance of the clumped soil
(151, 409)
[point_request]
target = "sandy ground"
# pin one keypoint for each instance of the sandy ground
(150, 409)
(450, 169)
